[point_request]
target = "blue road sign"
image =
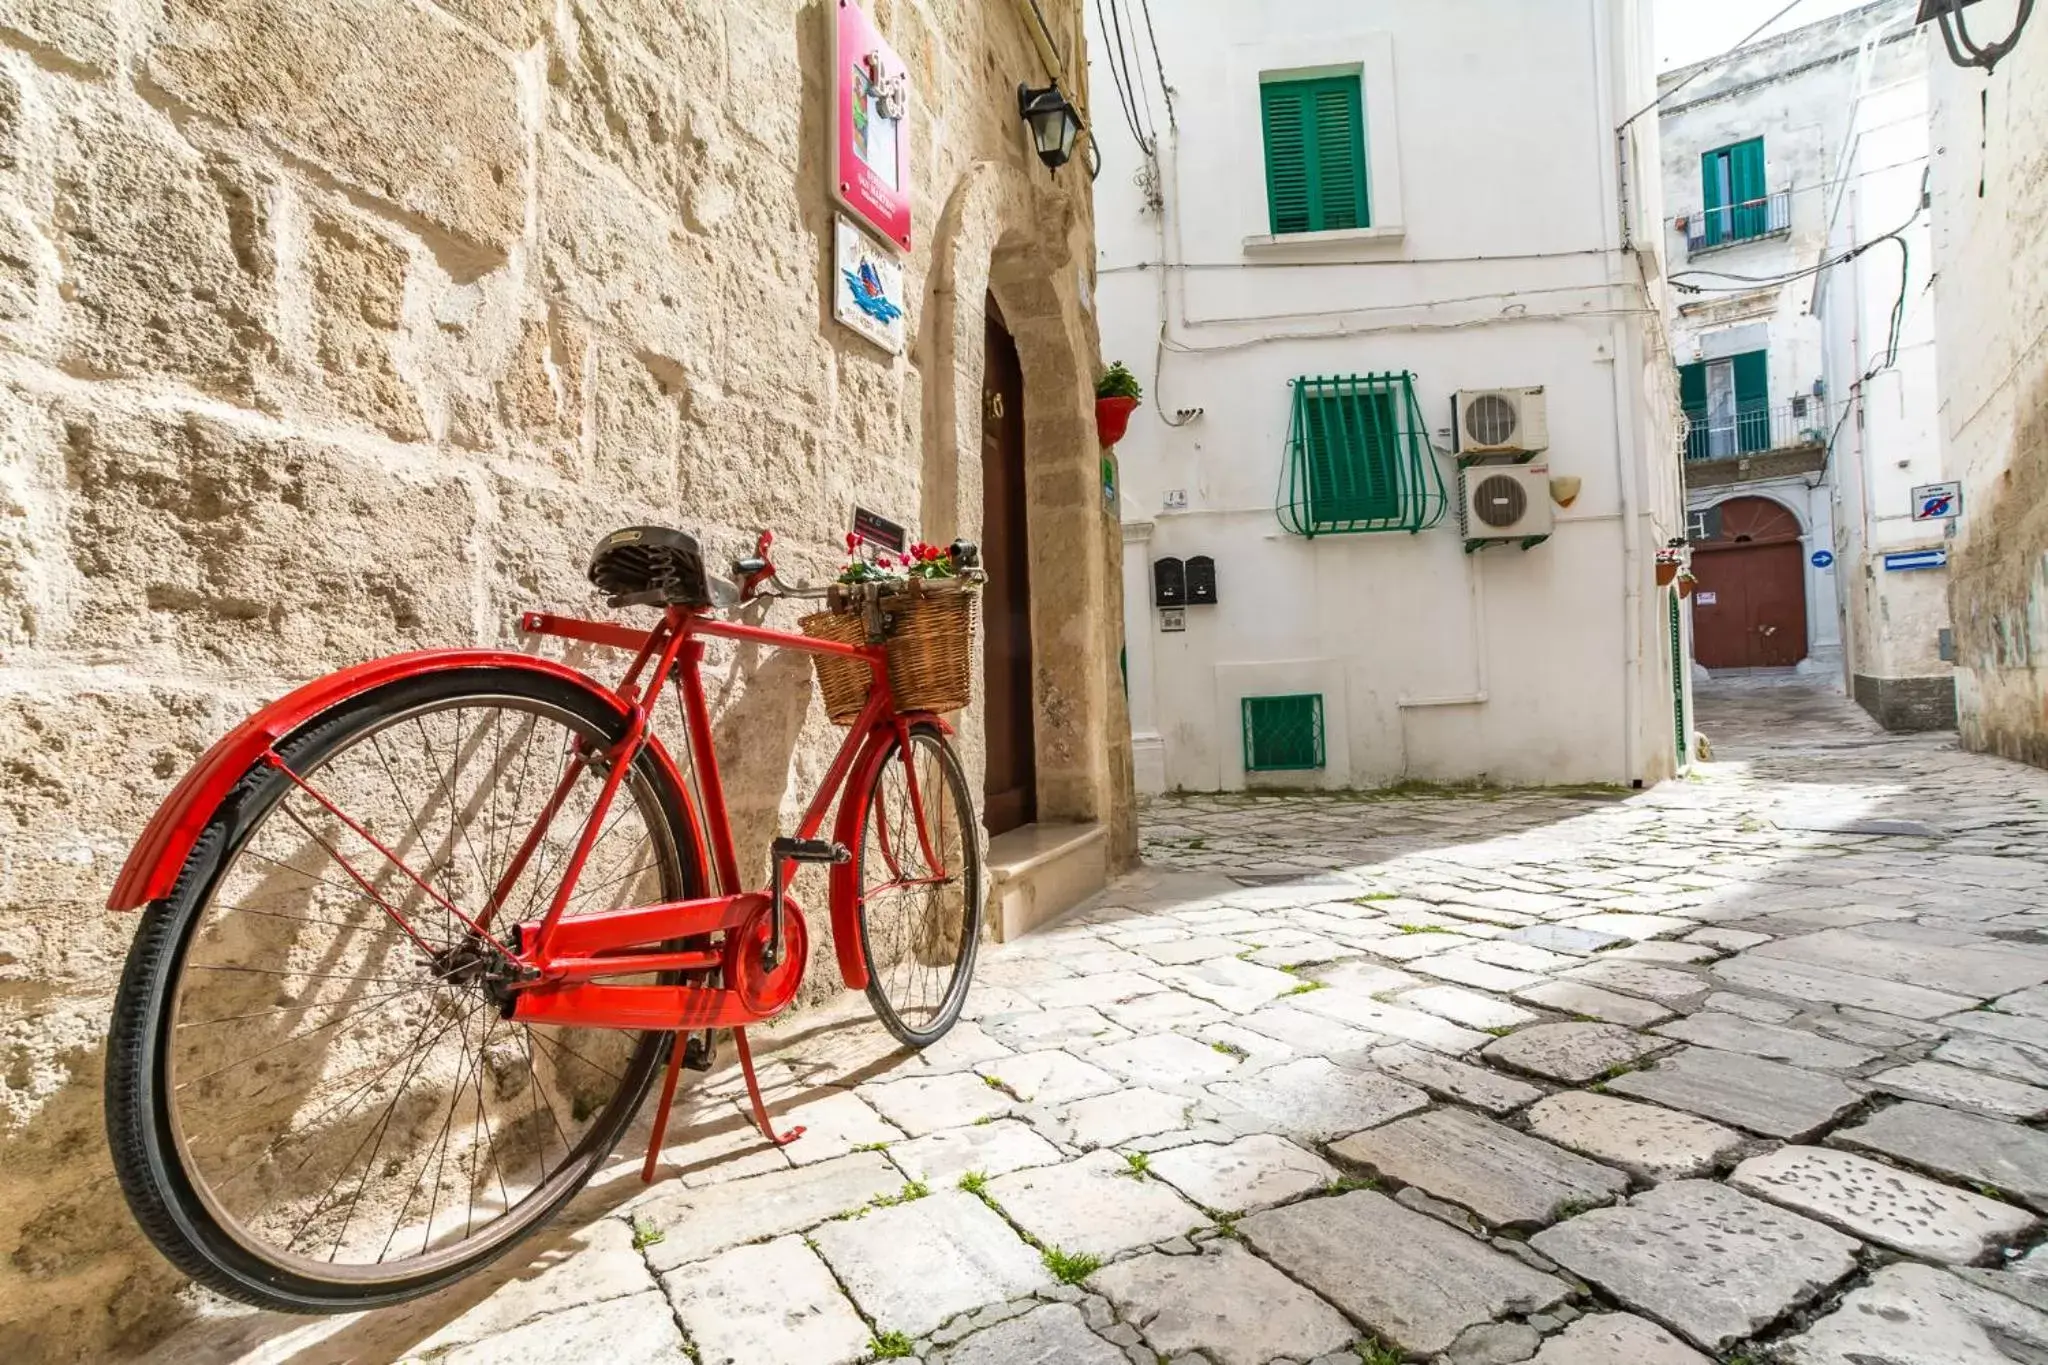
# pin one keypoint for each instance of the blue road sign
(1823, 558)
(1917, 559)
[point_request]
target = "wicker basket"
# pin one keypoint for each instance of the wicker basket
(928, 626)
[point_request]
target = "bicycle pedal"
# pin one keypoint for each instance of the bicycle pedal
(809, 851)
(700, 1053)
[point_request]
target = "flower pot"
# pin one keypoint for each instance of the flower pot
(1113, 418)
(1685, 587)
(1665, 573)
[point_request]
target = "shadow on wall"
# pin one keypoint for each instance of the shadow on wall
(1998, 598)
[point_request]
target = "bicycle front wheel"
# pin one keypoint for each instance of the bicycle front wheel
(314, 1101)
(919, 869)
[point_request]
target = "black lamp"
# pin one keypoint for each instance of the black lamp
(1054, 123)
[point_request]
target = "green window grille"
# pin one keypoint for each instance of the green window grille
(1283, 734)
(1359, 458)
(1315, 154)
(1678, 682)
(1732, 181)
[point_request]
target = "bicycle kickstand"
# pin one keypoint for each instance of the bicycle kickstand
(739, 1038)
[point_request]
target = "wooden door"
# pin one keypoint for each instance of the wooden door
(1749, 606)
(1011, 777)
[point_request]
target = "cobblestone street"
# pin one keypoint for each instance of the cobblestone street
(1748, 1065)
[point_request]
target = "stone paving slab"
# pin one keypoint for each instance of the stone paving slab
(1748, 1092)
(1883, 1204)
(1960, 1088)
(639, 1330)
(925, 1104)
(1616, 1339)
(1391, 1021)
(1095, 1205)
(1508, 1178)
(1572, 1053)
(1317, 1100)
(1469, 1008)
(1733, 1033)
(1665, 985)
(1961, 1146)
(698, 1223)
(1055, 1334)
(1467, 970)
(1712, 1264)
(1164, 1059)
(1557, 938)
(1245, 1176)
(939, 1159)
(1053, 1076)
(1607, 1007)
(1226, 1303)
(912, 1266)
(1412, 1280)
(1106, 1120)
(1915, 1313)
(774, 1303)
(1030, 1030)
(596, 1263)
(1649, 1142)
(1459, 1082)
(1811, 982)
(1979, 970)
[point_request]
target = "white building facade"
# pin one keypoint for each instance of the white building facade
(1355, 211)
(1892, 512)
(1989, 185)
(1753, 146)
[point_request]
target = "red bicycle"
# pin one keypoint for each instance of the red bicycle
(420, 935)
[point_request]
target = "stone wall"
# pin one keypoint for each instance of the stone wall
(330, 328)
(1990, 228)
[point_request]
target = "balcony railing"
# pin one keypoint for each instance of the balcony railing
(1712, 229)
(1757, 431)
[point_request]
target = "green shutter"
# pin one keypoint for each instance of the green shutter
(1283, 734)
(1285, 109)
(1713, 204)
(1746, 176)
(1692, 397)
(1315, 154)
(1678, 725)
(1359, 458)
(1752, 402)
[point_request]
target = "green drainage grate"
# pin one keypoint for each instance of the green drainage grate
(1283, 734)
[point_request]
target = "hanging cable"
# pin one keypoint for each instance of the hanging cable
(1159, 66)
(1748, 282)
(1712, 62)
(1123, 96)
(1964, 52)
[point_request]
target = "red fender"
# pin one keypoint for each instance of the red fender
(853, 963)
(158, 856)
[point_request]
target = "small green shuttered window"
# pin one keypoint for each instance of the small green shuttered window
(1359, 458)
(1283, 734)
(1732, 184)
(1315, 154)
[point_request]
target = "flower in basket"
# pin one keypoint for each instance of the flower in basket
(860, 569)
(932, 561)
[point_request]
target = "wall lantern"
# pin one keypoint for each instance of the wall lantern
(1054, 123)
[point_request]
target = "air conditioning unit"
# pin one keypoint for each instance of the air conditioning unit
(1503, 502)
(1501, 422)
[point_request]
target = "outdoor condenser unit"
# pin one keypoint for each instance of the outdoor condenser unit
(1504, 502)
(1508, 422)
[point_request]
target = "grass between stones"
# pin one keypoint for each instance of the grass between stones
(645, 1234)
(1070, 1267)
(890, 1346)
(1140, 1165)
(974, 1182)
(1304, 988)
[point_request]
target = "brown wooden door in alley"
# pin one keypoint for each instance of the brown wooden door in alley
(1011, 798)
(1749, 605)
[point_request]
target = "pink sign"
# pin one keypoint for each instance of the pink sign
(870, 164)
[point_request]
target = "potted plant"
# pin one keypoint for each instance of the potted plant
(1671, 560)
(1116, 397)
(1685, 582)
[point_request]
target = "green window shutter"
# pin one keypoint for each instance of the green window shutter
(1746, 176)
(1692, 397)
(1288, 192)
(1315, 154)
(1713, 198)
(1752, 402)
(1283, 734)
(1359, 458)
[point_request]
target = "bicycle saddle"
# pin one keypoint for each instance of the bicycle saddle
(651, 566)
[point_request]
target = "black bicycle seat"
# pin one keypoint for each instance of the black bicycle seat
(650, 566)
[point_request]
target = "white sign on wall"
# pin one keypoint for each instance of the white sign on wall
(1937, 501)
(867, 287)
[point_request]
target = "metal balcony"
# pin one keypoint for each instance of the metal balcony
(1750, 221)
(1801, 424)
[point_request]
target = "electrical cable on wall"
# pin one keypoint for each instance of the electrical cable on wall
(1965, 52)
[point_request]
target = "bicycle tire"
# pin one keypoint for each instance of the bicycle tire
(158, 1187)
(947, 1012)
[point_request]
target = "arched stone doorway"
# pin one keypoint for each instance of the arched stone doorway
(1749, 605)
(1010, 779)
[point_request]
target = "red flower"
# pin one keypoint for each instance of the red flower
(852, 540)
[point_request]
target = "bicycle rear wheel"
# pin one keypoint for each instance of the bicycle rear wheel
(315, 1103)
(920, 889)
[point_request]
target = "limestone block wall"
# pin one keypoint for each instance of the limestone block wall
(330, 328)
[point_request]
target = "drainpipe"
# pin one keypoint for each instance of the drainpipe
(1614, 238)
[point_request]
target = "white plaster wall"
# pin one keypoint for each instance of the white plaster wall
(1525, 667)
(1990, 236)
(1889, 443)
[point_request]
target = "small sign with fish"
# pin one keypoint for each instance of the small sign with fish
(867, 287)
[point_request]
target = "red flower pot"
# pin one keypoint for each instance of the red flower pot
(1685, 587)
(1665, 573)
(1113, 418)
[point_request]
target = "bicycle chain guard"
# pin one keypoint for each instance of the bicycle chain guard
(762, 989)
